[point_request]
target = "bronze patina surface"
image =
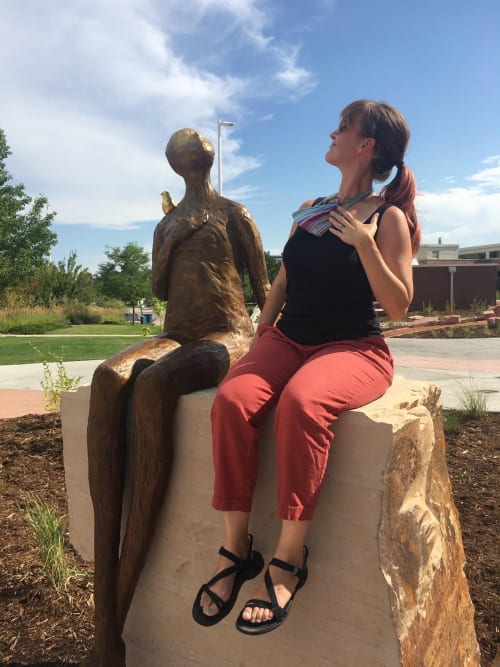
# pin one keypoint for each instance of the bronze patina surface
(200, 248)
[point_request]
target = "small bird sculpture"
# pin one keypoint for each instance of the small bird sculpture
(167, 203)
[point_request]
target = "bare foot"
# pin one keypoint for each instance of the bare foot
(284, 584)
(224, 587)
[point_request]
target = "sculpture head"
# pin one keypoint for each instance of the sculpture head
(188, 151)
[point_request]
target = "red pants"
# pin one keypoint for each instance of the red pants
(309, 385)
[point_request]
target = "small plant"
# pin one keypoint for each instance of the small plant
(428, 308)
(449, 307)
(478, 307)
(146, 331)
(49, 533)
(451, 421)
(473, 403)
(52, 385)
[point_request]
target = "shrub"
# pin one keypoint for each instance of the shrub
(80, 314)
(52, 386)
(451, 421)
(49, 533)
(473, 403)
(478, 307)
(33, 321)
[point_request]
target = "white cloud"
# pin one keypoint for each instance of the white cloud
(464, 215)
(295, 77)
(488, 177)
(95, 89)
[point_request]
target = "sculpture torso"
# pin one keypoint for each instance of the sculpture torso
(204, 287)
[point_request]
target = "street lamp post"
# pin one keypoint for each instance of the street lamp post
(452, 270)
(225, 123)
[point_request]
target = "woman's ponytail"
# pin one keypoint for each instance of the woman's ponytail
(402, 191)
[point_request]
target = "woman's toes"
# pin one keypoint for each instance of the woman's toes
(257, 614)
(210, 610)
(247, 614)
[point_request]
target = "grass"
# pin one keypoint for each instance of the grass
(49, 533)
(472, 402)
(106, 330)
(19, 350)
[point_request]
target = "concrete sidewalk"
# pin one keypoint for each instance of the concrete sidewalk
(455, 365)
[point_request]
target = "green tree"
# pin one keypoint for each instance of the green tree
(25, 234)
(66, 281)
(126, 275)
(273, 264)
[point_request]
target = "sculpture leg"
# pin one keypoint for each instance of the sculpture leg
(193, 366)
(106, 437)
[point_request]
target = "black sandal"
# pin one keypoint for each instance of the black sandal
(280, 613)
(244, 569)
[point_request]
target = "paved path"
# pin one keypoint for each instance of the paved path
(456, 365)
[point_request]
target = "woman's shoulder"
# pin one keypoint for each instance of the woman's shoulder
(316, 202)
(388, 209)
(310, 202)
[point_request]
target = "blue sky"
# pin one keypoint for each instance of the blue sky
(91, 91)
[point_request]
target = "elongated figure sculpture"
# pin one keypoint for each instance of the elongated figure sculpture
(199, 250)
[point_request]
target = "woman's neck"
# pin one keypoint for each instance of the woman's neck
(352, 185)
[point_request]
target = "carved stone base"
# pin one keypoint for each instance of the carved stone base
(386, 584)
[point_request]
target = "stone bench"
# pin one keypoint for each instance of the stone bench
(386, 584)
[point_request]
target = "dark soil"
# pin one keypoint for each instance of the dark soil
(40, 627)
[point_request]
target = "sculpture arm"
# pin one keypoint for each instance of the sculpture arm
(253, 254)
(160, 259)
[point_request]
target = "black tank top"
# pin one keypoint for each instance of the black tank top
(328, 294)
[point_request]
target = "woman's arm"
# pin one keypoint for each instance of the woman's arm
(275, 299)
(277, 296)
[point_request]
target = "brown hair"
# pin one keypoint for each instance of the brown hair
(386, 125)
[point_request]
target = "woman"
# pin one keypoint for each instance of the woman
(318, 351)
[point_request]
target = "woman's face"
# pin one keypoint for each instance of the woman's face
(346, 140)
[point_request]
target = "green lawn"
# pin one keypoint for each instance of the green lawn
(19, 350)
(106, 330)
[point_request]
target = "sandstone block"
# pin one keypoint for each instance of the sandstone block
(452, 319)
(493, 322)
(386, 584)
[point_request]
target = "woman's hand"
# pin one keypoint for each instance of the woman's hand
(350, 229)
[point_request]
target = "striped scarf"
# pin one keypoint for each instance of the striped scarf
(315, 218)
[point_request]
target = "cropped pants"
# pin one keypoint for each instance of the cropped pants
(310, 385)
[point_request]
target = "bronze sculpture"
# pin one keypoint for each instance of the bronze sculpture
(199, 249)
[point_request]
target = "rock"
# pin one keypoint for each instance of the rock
(452, 319)
(421, 550)
(386, 582)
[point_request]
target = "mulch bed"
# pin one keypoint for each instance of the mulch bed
(40, 627)
(471, 329)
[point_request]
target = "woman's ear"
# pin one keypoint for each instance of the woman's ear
(366, 144)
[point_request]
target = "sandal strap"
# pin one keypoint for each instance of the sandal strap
(230, 556)
(299, 572)
(273, 605)
(213, 596)
(239, 564)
